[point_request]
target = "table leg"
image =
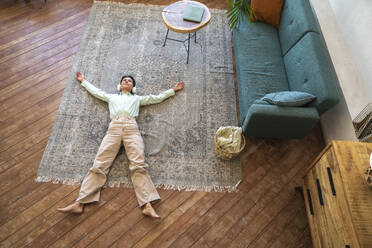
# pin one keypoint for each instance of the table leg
(195, 37)
(188, 49)
(166, 37)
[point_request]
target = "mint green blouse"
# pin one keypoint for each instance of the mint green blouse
(125, 104)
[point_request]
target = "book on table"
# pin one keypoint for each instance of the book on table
(193, 13)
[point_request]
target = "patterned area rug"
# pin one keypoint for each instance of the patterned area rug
(179, 133)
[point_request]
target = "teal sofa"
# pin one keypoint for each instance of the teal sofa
(293, 57)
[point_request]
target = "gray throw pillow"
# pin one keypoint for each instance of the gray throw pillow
(289, 98)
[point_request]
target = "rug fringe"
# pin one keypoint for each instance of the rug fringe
(124, 4)
(117, 184)
(103, 2)
(179, 187)
(67, 181)
(198, 188)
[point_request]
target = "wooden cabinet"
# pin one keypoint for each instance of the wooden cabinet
(337, 198)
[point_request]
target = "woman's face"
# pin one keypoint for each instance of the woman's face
(126, 84)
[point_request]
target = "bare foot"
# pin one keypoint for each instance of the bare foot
(149, 211)
(75, 208)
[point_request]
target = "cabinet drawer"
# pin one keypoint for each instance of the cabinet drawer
(336, 206)
(341, 202)
(337, 216)
(330, 209)
(315, 213)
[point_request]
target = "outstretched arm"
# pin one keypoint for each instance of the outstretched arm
(100, 94)
(153, 99)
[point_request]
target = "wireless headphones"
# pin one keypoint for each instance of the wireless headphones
(133, 89)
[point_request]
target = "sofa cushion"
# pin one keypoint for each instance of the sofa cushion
(272, 121)
(297, 19)
(289, 98)
(309, 69)
(267, 11)
(259, 63)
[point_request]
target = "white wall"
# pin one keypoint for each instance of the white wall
(346, 28)
(354, 19)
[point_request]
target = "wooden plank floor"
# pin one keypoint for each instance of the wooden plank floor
(37, 45)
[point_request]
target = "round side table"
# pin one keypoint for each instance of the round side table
(173, 19)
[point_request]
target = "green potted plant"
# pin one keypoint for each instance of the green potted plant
(237, 10)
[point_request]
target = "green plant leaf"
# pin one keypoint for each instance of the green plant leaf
(232, 12)
(237, 11)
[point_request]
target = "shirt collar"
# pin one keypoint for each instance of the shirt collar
(126, 93)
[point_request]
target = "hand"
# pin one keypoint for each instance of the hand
(179, 86)
(80, 77)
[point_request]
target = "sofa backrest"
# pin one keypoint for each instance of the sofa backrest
(296, 20)
(310, 69)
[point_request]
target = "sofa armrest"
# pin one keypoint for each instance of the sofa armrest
(272, 121)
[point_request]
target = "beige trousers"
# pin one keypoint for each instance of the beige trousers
(120, 129)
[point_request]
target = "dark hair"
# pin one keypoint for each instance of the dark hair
(128, 76)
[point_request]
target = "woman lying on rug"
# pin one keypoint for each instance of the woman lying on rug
(124, 108)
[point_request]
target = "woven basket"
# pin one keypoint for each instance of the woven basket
(227, 155)
(363, 124)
